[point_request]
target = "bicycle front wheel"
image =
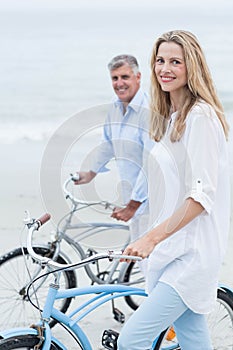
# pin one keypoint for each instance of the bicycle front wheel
(220, 322)
(15, 308)
(24, 342)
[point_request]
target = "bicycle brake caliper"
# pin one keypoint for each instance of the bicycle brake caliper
(40, 336)
(109, 339)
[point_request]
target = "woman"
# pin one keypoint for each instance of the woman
(189, 198)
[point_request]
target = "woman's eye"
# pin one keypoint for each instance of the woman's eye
(159, 60)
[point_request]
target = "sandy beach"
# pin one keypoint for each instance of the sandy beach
(20, 190)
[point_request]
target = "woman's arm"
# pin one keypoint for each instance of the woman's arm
(185, 214)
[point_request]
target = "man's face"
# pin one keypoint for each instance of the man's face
(125, 83)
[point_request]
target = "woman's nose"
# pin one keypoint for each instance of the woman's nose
(166, 67)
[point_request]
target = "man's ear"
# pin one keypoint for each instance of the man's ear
(139, 75)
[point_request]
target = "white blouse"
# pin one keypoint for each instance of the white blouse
(196, 166)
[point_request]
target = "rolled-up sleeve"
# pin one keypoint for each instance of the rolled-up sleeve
(202, 159)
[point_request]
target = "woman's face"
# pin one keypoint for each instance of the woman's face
(170, 67)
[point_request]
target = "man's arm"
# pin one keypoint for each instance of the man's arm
(126, 213)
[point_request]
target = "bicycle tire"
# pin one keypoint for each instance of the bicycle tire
(15, 309)
(23, 342)
(220, 322)
(222, 330)
(133, 276)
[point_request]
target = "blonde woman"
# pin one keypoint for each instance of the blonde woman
(189, 198)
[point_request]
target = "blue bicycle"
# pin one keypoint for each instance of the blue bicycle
(40, 336)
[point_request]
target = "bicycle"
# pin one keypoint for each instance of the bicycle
(15, 277)
(39, 335)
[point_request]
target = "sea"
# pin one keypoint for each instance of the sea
(54, 54)
(54, 57)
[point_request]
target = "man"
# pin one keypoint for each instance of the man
(126, 137)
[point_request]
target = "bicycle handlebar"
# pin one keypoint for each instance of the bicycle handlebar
(47, 261)
(76, 201)
(43, 219)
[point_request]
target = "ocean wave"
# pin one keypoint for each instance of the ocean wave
(38, 131)
(88, 120)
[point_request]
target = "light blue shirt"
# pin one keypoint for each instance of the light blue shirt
(126, 138)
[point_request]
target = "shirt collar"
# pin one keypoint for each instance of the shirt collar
(174, 116)
(135, 103)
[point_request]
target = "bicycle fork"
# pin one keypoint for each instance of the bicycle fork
(44, 331)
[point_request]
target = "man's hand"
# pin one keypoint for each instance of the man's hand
(126, 213)
(84, 177)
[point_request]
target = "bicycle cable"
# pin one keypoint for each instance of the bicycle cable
(46, 274)
(40, 310)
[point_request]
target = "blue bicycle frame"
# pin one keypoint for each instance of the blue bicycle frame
(102, 294)
(99, 295)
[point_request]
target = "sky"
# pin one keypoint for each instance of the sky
(166, 5)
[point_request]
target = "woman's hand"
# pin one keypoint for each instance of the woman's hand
(181, 217)
(142, 247)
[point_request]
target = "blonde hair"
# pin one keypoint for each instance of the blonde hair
(199, 86)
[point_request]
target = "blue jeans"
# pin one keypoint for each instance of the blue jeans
(162, 308)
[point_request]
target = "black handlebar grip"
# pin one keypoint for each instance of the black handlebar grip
(43, 219)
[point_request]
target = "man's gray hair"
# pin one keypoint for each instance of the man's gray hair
(121, 60)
